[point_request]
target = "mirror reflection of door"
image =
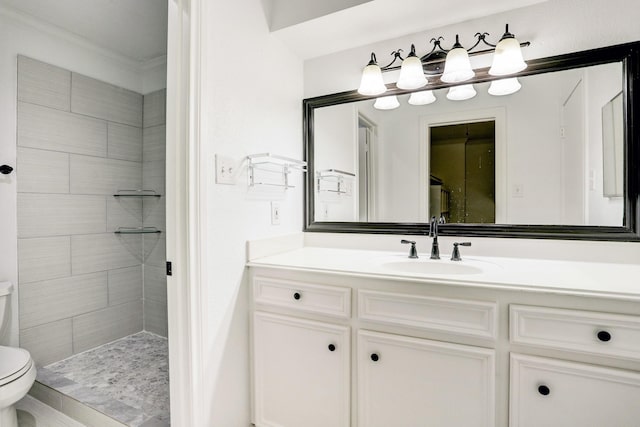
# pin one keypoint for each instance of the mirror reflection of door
(462, 172)
(366, 134)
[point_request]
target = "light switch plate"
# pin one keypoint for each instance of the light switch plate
(225, 170)
(275, 213)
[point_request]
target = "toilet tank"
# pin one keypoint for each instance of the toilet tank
(5, 296)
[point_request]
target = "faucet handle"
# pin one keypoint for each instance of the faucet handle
(413, 253)
(455, 256)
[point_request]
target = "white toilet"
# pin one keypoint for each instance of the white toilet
(17, 370)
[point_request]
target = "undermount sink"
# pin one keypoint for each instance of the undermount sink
(432, 267)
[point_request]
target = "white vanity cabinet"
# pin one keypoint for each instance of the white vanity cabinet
(546, 391)
(301, 372)
(414, 352)
(551, 392)
(409, 382)
(301, 367)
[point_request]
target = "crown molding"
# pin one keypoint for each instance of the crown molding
(68, 36)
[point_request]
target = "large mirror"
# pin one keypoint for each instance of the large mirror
(557, 158)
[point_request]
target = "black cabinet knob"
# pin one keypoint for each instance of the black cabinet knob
(332, 347)
(297, 296)
(604, 336)
(544, 390)
(375, 357)
(6, 169)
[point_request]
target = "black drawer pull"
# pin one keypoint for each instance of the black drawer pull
(544, 390)
(297, 296)
(332, 347)
(604, 336)
(375, 357)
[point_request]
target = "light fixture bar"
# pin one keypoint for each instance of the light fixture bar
(437, 54)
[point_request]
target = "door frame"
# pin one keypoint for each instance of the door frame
(184, 214)
(498, 115)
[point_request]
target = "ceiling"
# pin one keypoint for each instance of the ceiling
(136, 29)
(378, 20)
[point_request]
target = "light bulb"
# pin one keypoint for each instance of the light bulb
(507, 58)
(461, 93)
(504, 86)
(411, 73)
(386, 103)
(422, 98)
(371, 83)
(457, 67)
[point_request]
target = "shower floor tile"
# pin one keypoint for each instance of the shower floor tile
(127, 379)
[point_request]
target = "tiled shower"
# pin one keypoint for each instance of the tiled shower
(88, 275)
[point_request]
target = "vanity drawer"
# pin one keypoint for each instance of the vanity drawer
(588, 332)
(455, 316)
(306, 297)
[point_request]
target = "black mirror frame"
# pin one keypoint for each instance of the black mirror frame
(628, 54)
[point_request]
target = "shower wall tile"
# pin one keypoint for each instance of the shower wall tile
(43, 84)
(124, 142)
(100, 327)
(44, 258)
(101, 252)
(94, 98)
(124, 285)
(94, 175)
(49, 129)
(51, 300)
(154, 209)
(154, 176)
(41, 171)
(154, 144)
(155, 250)
(155, 284)
(155, 108)
(43, 215)
(123, 212)
(155, 317)
(49, 342)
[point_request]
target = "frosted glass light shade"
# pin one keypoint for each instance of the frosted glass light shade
(461, 93)
(422, 98)
(504, 86)
(457, 67)
(411, 74)
(386, 103)
(371, 83)
(507, 59)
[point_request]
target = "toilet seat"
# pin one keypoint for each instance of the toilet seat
(14, 363)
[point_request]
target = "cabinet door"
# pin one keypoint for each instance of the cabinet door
(548, 392)
(411, 382)
(301, 372)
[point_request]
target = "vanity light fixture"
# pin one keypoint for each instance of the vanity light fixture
(452, 65)
(507, 58)
(386, 103)
(461, 93)
(424, 97)
(457, 67)
(504, 86)
(411, 73)
(371, 83)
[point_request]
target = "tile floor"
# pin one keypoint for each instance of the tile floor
(127, 379)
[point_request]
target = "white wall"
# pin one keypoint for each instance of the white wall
(22, 35)
(338, 142)
(252, 103)
(600, 90)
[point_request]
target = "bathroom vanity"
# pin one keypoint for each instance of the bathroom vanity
(346, 337)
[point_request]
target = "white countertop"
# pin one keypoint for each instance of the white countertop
(566, 277)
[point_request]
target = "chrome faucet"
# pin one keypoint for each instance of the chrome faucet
(433, 232)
